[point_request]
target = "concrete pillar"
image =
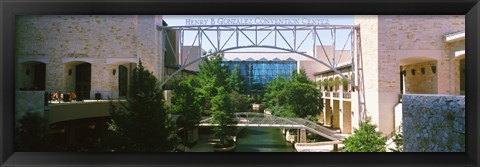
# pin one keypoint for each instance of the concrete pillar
(168, 97)
(303, 136)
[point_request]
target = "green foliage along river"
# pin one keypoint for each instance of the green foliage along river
(262, 140)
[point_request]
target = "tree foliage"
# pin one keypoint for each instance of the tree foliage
(235, 81)
(398, 140)
(365, 139)
(184, 101)
(142, 124)
(210, 76)
(32, 134)
(223, 115)
(297, 97)
(212, 93)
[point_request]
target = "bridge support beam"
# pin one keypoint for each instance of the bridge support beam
(303, 136)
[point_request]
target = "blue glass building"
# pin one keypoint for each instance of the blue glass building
(258, 73)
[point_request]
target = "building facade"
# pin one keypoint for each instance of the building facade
(96, 54)
(86, 54)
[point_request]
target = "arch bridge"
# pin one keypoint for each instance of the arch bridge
(253, 119)
(286, 38)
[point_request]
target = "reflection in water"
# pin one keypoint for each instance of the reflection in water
(262, 140)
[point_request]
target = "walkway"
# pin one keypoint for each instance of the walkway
(253, 119)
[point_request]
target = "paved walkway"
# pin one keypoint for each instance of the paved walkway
(325, 148)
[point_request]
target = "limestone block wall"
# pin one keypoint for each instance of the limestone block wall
(414, 34)
(452, 48)
(387, 40)
(433, 123)
(421, 83)
(65, 41)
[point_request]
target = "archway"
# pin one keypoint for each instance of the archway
(83, 75)
(122, 80)
(418, 75)
(34, 76)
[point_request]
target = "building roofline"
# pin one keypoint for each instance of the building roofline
(329, 70)
(456, 36)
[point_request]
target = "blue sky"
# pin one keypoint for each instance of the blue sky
(341, 37)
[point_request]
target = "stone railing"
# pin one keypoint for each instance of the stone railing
(347, 95)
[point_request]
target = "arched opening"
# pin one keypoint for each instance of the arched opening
(33, 77)
(418, 75)
(122, 80)
(78, 78)
(345, 84)
(330, 84)
(337, 83)
(462, 76)
(83, 80)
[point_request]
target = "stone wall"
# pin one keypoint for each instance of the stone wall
(104, 41)
(387, 40)
(421, 83)
(433, 123)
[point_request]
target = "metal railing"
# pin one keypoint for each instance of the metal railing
(261, 120)
(63, 96)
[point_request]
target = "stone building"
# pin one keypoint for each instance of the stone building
(401, 55)
(86, 54)
(95, 54)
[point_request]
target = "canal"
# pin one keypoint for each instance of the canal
(262, 140)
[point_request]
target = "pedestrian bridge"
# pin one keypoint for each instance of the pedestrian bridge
(253, 119)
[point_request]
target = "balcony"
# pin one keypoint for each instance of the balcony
(347, 95)
(336, 94)
(327, 94)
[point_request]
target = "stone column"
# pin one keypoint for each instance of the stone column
(303, 136)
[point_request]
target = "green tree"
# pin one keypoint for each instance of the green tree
(32, 133)
(184, 101)
(222, 114)
(240, 102)
(235, 81)
(298, 97)
(303, 98)
(210, 76)
(272, 91)
(301, 77)
(365, 139)
(142, 124)
(398, 140)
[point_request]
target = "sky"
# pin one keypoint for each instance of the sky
(342, 40)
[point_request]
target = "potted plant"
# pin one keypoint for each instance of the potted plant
(338, 82)
(330, 85)
(98, 96)
(325, 84)
(345, 84)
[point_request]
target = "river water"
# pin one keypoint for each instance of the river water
(262, 140)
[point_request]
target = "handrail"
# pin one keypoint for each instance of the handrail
(263, 120)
